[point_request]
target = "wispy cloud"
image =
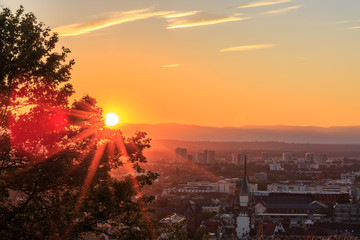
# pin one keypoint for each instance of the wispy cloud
(108, 21)
(356, 27)
(204, 19)
(170, 65)
(345, 21)
(174, 19)
(282, 10)
(264, 3)
(247, 47)
(182, 14)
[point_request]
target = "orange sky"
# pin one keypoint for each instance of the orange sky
(210, 62)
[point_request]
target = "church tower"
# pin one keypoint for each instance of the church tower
(241, 206)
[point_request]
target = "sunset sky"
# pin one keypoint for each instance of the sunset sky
(213, 62)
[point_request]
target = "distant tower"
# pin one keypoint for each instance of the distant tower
(237, 158)
(209, 156)
(244, 193)
(241, 206)
(180, 154)
(199, 158)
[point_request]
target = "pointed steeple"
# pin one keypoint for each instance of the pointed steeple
(245, 165)
(245, 184)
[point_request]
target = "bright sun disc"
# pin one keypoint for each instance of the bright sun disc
(111, 119)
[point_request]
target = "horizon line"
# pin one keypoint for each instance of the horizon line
(243, 126)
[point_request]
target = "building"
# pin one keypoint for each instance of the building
(241, 207)
(336, 188)
(307, 166)
(171, 225)
(222, 186)
(309, 157)
(199, 158)
(295, 209)
(320, 158)
(301, 188)
(291, 188)
(286, 157)
(198, 187)
(238, 158)
(181, 154)
(349, 178)
(208, 205)
(226, 186)
(261, 176)
(209, 157)
(276, 167)
(347, 213)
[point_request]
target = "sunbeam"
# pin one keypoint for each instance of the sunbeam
(89, 177)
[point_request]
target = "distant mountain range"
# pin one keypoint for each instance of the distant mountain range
(287, 134)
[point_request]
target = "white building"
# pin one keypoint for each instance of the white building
(222, 186)
(276, 167)
(198, 187)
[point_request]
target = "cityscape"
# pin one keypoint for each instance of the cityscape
(234, 195)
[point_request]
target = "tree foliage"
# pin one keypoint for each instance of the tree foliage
(27, 51)
(56, 160)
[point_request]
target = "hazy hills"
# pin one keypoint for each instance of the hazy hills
(287, 134)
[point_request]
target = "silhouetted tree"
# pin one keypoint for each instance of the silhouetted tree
(56, 160)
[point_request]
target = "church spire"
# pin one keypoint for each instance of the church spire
(245, 184)
(245, 166)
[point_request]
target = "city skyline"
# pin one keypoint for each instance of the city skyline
(213, 63)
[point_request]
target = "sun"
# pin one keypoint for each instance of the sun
(111, 119)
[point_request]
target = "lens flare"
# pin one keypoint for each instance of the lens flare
(111, 119)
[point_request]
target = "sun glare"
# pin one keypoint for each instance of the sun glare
(111, 119)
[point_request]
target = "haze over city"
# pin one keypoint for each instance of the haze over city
(213, 63)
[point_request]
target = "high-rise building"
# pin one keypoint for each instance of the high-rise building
(180, 154)
(238, 158)
(320, 158)
(199, 158)
(286, 156)
(209, 156)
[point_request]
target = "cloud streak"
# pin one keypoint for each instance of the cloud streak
(182, 14)
(174, 19)
(356, 27)
(205, 19)
(170, 65)
(282, 10)
(247, 48)
(264, 3)
(108, 21)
